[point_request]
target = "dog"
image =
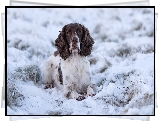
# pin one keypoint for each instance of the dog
(68, 68)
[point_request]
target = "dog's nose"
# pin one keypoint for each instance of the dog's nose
(75, 39)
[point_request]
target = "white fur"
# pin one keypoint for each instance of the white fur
(75, 71)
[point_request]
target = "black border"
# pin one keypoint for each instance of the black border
(72, 7)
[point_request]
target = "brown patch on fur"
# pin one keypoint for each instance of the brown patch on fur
(86, 43)
(62, 45)
(60, 74)
(68, 94)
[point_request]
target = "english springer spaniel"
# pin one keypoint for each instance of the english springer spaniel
(68, 69)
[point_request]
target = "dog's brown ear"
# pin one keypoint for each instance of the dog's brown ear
(62, 44)
(86, 43)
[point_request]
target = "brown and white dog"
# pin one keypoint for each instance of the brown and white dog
(68, 69)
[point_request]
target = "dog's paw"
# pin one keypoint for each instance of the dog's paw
(91, 95)
(49, 86)
(90, 92)
(80, 98)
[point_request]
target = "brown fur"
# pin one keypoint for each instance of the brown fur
(60, 74)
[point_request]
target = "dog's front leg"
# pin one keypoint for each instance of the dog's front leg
(90, 91)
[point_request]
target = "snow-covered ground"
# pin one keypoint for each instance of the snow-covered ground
(122, 60)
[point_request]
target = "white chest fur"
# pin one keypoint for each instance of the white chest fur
(76, 73)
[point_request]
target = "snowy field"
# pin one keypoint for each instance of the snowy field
(122, 60)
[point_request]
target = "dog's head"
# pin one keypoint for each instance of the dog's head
(74, 38)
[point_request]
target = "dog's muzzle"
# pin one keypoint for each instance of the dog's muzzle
(75, 45)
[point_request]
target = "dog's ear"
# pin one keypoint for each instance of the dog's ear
(86, 43)
(62, 44)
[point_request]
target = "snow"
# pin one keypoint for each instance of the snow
(122, 60)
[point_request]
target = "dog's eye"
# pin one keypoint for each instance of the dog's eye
(79, 31)
(68, 32)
